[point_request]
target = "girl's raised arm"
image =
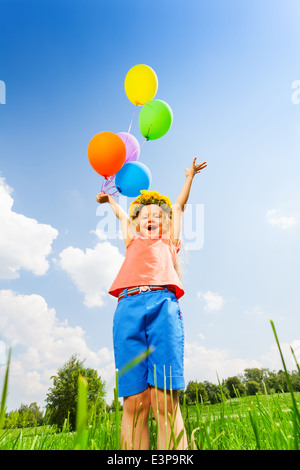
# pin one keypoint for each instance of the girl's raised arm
(179, 206)
(126, 227)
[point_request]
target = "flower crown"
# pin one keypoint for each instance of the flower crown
(146, 198)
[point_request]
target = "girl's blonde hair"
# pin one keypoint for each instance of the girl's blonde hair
(149, 197)
(153, 197)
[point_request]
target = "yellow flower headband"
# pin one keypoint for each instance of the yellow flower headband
(146, 198)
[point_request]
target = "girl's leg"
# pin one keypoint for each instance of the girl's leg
(134, 426)
(163, 436)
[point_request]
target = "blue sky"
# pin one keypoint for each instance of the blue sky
(227, 69)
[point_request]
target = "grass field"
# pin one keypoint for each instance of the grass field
(250, 423)
(261, 422)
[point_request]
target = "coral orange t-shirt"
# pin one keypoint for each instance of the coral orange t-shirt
(148, 261)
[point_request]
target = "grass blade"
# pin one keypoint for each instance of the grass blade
(294, 356)
(81, 416)
(117, 411)
(141, 357)
(4, 392)
(296, 420)
(255, 430)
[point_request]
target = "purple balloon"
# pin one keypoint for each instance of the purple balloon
(132, 146)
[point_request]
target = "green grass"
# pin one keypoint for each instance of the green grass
(261, 422)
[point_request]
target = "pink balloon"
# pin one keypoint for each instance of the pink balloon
(132, 146)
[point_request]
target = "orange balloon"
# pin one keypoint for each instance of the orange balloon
(106, 153)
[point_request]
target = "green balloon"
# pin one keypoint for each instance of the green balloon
(155, 119)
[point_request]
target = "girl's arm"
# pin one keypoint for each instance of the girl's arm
(127, 229)
(179, 206)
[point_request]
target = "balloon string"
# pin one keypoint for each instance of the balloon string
(144, 141)
(130, 124)
(131, 156)
(108, 180)
(107, 189)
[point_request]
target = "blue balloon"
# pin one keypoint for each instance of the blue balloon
(132, 178)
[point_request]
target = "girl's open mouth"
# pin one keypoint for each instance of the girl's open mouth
(152, 227)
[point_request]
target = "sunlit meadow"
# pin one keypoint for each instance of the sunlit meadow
(261, 422)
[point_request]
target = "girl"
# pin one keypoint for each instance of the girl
(148, 321)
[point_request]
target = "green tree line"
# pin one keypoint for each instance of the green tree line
(26, 416)
(62, 396)
(253, 381)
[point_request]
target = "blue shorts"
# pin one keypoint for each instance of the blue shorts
(150, 319)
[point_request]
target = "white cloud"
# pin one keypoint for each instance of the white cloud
(272, 358)
(202, 363)
(213, 301)
(2, 353)
(43, 343)
(24, 242)
(257, 311)
(92, 271)
(209, 364)
(281, 222)
(102, 234)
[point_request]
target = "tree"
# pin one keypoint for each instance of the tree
(25, 416)
(62, 397)
(12, 419)
(252, 387)
(30, 416)
(258, 375)
(282, 381)
(214, 392)
(181, 396)
(35, 413)
(196, 391)
(272, 382)
(295, 380)
(235, 387)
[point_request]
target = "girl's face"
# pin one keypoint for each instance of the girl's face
(151, 221)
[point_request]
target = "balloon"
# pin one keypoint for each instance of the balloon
(132, 178)
(106, 153)
(141, 84)
(132, 146)
(155, 119)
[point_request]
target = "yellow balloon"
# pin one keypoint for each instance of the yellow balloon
(141, 84)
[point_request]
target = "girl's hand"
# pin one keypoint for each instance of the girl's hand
(190, 172)
(102, 197)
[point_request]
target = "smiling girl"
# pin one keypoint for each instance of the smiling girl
(148, 316)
